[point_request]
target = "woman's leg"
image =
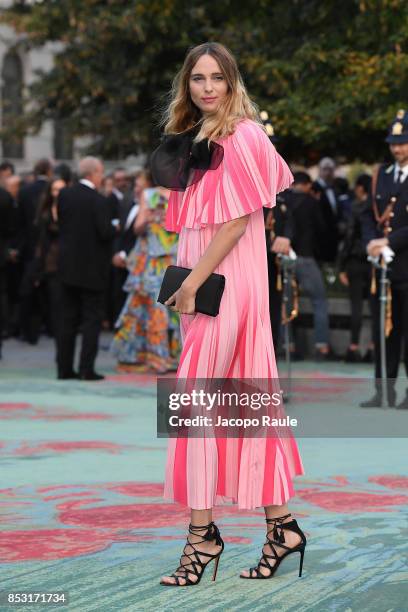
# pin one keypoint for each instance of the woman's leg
(292, 538)
(311, 281)
(199, 521)
(157, 339)
(129, 342)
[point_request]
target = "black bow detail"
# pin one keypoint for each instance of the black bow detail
(178, 162)
(278, 536)
(213, 533)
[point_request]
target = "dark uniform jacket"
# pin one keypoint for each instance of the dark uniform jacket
(283, 225)
(353, 247)
(308, 223)
(398, 236)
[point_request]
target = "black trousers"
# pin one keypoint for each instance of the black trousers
(359, 276)
(275, 301)
(52, 288)
(80, 308)
(14, 272)
(399, 334)
(31, 305)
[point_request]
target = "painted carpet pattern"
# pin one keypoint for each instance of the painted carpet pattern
(81, 509)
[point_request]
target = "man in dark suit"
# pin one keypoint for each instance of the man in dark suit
(86, 235)
(324, 190)
(121, 191)
(6, 171)
(14, 268)
(28, 202)
(385, 225)
(308, 228)
(6, 214)
(126, 237)
(121, 202)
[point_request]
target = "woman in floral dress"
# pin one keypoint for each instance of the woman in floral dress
(147, 332)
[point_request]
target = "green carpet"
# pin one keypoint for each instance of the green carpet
(81, 507)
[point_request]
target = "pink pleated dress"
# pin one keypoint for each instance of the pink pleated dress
(209, 471)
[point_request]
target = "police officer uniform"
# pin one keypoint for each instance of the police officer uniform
(278, 222)
(389, 218)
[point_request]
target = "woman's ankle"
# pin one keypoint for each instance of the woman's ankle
(278, 512)
(201, 518)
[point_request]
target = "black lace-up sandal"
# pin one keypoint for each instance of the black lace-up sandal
(277, 539)
(195, 566)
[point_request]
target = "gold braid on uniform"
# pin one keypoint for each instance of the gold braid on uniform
(279, 284)
(373, 286)
(270, 225)
(388, 311)
(295, 306)
(383, 223)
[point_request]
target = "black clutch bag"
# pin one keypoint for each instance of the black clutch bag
(208, 296)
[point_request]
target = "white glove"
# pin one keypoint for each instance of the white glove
(292, 255)
(388, 254)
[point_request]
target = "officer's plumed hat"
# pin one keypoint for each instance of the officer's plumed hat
(398, 131)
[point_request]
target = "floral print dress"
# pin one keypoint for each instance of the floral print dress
(148, 332)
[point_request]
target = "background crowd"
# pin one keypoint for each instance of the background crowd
(86, 250)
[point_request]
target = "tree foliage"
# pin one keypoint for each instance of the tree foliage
(331, 74)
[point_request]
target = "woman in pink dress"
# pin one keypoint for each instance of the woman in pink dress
(220, 223)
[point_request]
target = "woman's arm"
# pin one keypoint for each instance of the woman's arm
(143, 216)
(222, 243)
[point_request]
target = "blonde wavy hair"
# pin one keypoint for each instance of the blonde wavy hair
(182, 114)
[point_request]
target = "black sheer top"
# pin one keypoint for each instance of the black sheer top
(178, 162)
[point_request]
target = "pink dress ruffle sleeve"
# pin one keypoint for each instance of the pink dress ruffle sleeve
(251, 472)
(249, 177)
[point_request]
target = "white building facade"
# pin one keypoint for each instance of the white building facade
(17, 72)
(18, 68)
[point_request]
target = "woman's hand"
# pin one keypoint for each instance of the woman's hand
(184, 299)
(143, 217)
(221, 244)
(150, 216)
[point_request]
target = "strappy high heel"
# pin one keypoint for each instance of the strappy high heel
(196, 566)
(278, 536)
